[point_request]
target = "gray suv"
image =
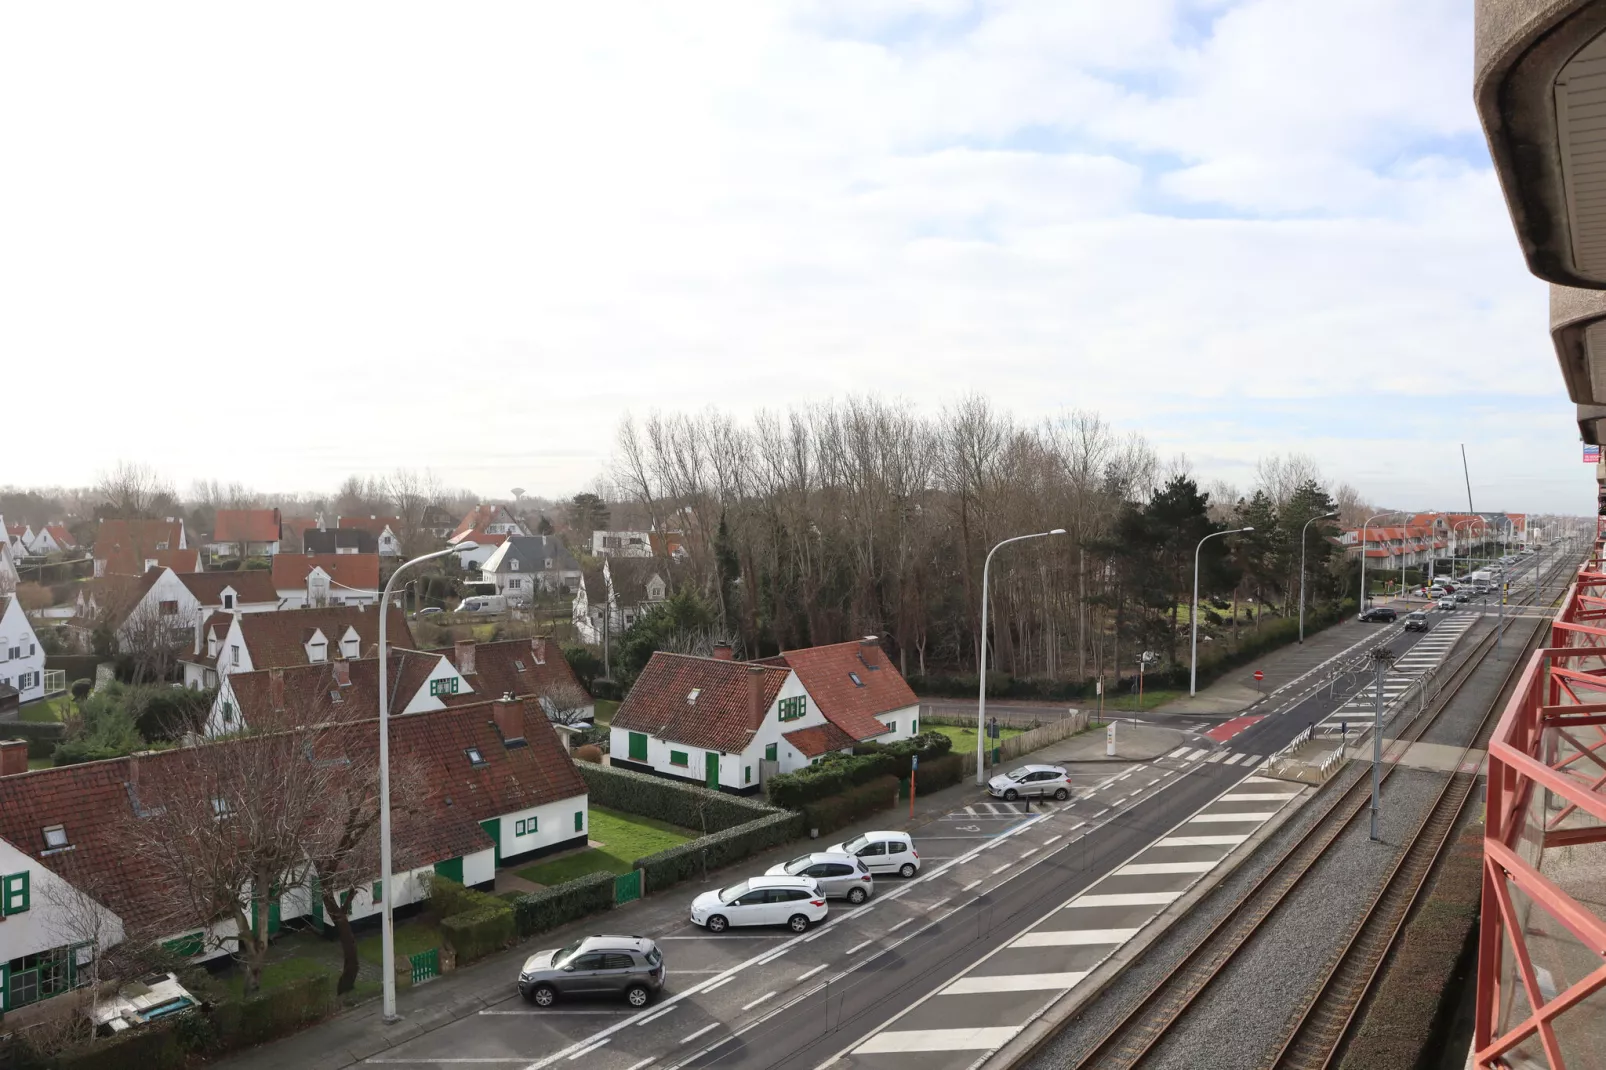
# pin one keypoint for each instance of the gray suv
(612, 966)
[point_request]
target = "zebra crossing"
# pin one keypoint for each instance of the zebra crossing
(1420, 658)
(1011, 810)
(1243, 759)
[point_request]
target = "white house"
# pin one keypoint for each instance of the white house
(9, 577)
(22, 661)
(336, 688)
(383, 528)
(485, 544)
(525, 564)
(246, 533)
(638, 544)
(20, 538)
(51, 539)
(246, 642)
(730, 724)
(326, 579)
(625, 589)
(493, 519)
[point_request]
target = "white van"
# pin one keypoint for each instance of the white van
(483, 603)
(1482, 575)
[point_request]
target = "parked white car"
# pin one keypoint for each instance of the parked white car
(1029, 781)
(882, 852)
(795, 902)
(839, 875)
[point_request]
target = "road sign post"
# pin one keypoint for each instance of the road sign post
(1109, 741)
(914, 764)
(1259, 676)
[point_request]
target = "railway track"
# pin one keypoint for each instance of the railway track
(1316, 1033)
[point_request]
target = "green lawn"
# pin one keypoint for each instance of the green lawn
(605, 710)
(623, 839)
(51, 709)
(1152, 697)
(282, 972)
(965, 738)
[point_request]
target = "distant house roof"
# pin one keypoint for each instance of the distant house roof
(125, 545)
(330, 540)
(357, 571)
(517, 667)
(246, 525)
(632, 575)
(373, 524)
(483, 516)
(310, 689)
(852, 683)
(530, 553)
(702, 702)
(819, 739)
(278, 640)
(60, 534)
(252, 585)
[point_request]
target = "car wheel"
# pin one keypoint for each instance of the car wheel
(1062, 794)
(543, 995)
(1011, 795)
(798, 923)
(717, 923)
(857, 896)
(908, 870)
(637, 995)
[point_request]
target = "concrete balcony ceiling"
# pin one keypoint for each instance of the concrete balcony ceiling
(1578, 331)
(1591, 424)
(1540, 90)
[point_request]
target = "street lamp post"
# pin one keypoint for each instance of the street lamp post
(387, 896)
(981, 699)
(1193, 617)
(1302, 533)
(1364, 526)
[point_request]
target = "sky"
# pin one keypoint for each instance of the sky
(279, 245)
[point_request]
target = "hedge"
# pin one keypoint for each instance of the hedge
(829, 777)
(274, 1013)
(939, 773)
(830, 814)
(42, 736)
(154, 1047)
(448, 897)
(537, 912)
(478, 933)
(718, 849)
(686, 805)
(927, 746)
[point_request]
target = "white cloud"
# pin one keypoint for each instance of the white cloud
(363, 236)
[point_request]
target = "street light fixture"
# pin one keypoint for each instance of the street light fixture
(1193, 617)
(981, 700)
(1364, 598)
(387, 896)
(1302, 533)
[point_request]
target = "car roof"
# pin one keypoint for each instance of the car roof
(1043, 768)
(885, 834)
(778, 881)
(621, 943)
(826, 856)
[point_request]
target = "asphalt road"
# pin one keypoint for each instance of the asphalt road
(749, 999)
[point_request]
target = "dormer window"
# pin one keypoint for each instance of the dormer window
(318, 651)
(55, 837)
(513, 564)
(549, 562)
(228, 599)
(351, 645)
(211, 645)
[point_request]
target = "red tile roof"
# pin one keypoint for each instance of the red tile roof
(374, 524)
(62, 537)
(360, 571)
(517, 667)
(824, 672)
(252, 585)
(309, 690)
(722, 717)
(94, 801)
(246, 525)
(142, 535)
(819, 739)
(278, 640)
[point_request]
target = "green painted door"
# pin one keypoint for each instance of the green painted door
(451, 869)
(493, 829)
(711, 763)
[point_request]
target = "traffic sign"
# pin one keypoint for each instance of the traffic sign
(914, 762)
(1259, 675)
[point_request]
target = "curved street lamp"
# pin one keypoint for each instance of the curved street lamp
(1392, 512)
(981, 700)
(1302, 533)
(387, 931)
(1193, 617)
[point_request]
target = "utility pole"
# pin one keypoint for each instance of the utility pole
(1467, 475)
(1382, 658)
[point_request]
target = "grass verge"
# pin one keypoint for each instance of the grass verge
(621, 839)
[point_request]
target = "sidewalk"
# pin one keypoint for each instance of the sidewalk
(1238, 691)
(361, 1032)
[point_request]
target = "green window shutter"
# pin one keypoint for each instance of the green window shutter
(892, 726)
(638, 747)
(747, 774)
(579, 821)
(679, 757)
(914, 726)
(518, 829)
(14, 893)
(379, 891)
(771, 752)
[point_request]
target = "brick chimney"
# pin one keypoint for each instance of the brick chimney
(342, 670)
(13, 756)
(870, 640)
(276, 688)
(755, 693)
(508, 713)
(463, 654)
(723, 651)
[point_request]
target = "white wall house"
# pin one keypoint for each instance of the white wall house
(9, 578)
(414, 688)
(22, 660)
(49, 931)
(526, 564)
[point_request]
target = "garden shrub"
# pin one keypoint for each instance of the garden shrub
(588, 753)
(834, 812)
(42, 736)
(832, 775)
(939, 773)
(676, 802)
(151, 1047)
(718, 849)
(480, 932)
(276, 1012)
(536, 912)
(447, 897)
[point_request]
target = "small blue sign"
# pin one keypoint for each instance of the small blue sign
(914, 762)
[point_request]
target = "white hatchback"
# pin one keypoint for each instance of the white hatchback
(882, 852)
(1029, 781)
(795, 902)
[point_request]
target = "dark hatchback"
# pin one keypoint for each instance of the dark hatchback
(1380, 614)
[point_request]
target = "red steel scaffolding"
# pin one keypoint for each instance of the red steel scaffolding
(1541, 997)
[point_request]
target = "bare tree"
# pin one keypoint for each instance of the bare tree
(133, 491)
(565, 703)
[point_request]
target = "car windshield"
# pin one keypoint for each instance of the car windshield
(728, 894)
(854, 846)
(563, 954)
(1017, 774)
(799, 864)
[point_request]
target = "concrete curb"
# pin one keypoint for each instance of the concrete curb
(1048, 1023)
